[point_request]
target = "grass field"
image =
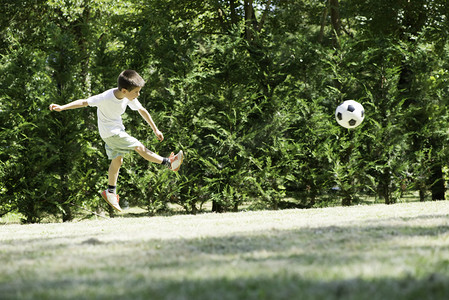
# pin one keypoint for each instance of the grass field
(361, 252)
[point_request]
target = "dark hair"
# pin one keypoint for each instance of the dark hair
(129, 79)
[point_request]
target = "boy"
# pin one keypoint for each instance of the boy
(111, 104)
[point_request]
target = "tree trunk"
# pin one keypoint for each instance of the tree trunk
(323, 24)
(217, 207)
(384, 187)
(437, 183)
(249, 19)
(67, 215)
(81, 26)
(346, 201)
(422, 194)
(234, 16)
(335, 17)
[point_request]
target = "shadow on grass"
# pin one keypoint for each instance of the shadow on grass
(370, 260)
(270, 286)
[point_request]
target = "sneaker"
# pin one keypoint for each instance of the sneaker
(176, 160)
(112, 199)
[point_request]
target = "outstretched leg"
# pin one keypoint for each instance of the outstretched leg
(149, 155)
(173, 162)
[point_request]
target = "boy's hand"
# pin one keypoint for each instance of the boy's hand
(55, 107)
(159, 135)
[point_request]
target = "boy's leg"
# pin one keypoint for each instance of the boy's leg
(114, 169)
(149, 155)
(173, 162)
(111, 197)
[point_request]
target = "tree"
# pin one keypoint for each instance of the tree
(247, 88)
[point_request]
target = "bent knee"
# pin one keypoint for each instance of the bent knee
(140, 149)
(118, 160)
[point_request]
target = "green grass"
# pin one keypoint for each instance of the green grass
(360, 252)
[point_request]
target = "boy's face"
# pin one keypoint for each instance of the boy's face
(132, 94)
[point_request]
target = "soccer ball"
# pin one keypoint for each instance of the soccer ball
(350, 114)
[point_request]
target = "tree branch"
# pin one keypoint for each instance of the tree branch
(262, 20)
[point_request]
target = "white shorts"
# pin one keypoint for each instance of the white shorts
(120, 144)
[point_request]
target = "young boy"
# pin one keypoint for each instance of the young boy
(111, 104)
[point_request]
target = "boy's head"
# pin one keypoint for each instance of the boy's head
(129, 79)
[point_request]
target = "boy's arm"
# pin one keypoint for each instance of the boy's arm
(71, 105)
(146, 115)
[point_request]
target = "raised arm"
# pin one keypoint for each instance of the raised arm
(146, 115)
(72, 105)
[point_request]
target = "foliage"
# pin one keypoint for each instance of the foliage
(246, 88)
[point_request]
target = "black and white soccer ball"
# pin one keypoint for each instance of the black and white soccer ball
(350, 114)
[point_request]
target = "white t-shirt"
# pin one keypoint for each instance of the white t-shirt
(110, 111)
